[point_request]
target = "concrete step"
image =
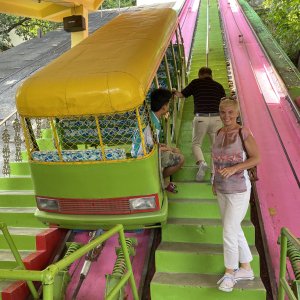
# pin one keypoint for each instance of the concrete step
(196, 208)
(192, 230)
(195, 258)
(18, 198)
(173, 286)
(20, 216)
(16, 183)
(24, 238)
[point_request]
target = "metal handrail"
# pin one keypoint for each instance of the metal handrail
(207, 32)
(17, 257)
(47, 275)
(284, 287)
(7, 118)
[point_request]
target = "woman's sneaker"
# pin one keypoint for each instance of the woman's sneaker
(227, 283)
(243, 274)
(201, 172)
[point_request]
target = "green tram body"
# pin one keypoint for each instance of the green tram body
(100, 181)
(91, 194)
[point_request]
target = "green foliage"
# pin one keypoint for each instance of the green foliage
(115, 3)
(283, 19)
(24, 27)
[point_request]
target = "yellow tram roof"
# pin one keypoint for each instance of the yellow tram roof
(51, 10)
(108, 72)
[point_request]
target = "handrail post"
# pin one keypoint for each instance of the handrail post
(17, 257)
(282, 274)
(128, 264)
(207, 32)
(48, 281)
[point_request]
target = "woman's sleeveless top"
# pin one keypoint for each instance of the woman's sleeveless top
(227, 151)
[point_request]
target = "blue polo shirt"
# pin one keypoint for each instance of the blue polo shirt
(137, 149)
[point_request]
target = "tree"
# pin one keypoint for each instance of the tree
(283, 20)
(115, 4)
(24, 27)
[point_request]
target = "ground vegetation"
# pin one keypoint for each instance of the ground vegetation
(282, 17)
(24, 27)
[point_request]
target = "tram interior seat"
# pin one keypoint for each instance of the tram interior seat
(114, 131)
(75, 133)
(79, 155)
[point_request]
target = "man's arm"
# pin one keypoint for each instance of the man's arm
(178, 94)
(186, 92)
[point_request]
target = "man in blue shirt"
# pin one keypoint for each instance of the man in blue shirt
(171, 158)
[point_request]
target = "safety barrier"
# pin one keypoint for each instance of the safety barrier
(11, 134)
(290, 246)
(46, 276)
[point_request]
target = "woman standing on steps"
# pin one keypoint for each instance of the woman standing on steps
(232, 186)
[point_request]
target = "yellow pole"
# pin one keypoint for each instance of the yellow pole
(77, 37)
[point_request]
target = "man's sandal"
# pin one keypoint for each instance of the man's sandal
(172, 188)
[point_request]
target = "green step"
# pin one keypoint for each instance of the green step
(185, 174)
(45, 144)
(193, 208)
(186, 127)
(192, 190)
(168, 286)
(189, 160)
(24, 156)
(195, 258)
(196, 208)
(24, 198)
(47, 133)
(19, 217)
(19, 168)
(16, 183)
(7, 260)
(24, 238)
(207, 231)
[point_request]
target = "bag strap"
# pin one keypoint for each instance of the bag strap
(243, 142)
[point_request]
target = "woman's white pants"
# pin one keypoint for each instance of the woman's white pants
(233, 208)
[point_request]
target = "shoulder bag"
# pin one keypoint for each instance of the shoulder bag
(252, 172)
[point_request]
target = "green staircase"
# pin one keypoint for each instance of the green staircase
(17, 206)
(189, 260)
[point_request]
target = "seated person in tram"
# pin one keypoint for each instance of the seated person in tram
(171, 158)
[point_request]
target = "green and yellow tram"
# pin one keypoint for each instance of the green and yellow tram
(91, 103)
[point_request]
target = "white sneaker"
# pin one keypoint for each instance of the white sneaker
(243, 274)
(227, 283)
(201, 172)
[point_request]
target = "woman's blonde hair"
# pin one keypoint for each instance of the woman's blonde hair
(225, 102)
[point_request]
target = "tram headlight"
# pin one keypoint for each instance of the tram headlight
(47, 204)
(142, 203)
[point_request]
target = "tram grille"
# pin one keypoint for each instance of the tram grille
(94, 206)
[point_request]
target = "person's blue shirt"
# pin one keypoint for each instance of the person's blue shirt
(137, 149)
